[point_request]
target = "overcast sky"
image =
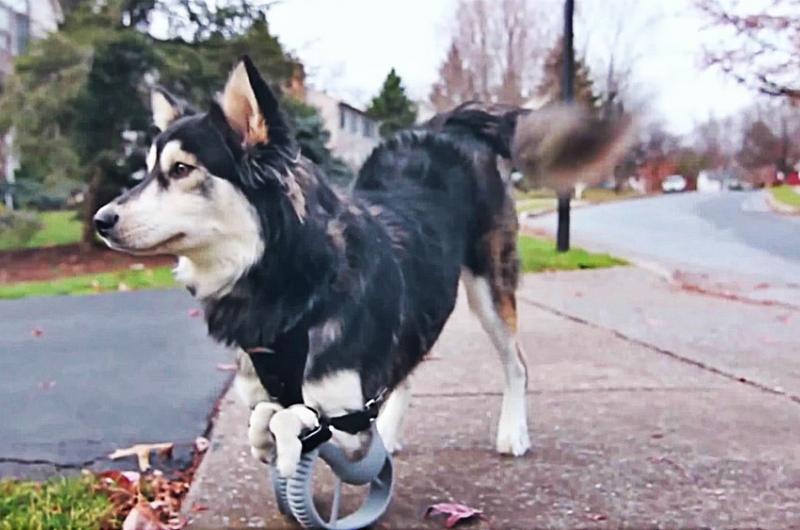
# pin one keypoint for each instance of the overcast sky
(348, 47)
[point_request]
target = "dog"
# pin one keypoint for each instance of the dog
(361, 282)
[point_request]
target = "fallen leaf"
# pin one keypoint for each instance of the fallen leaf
(142, 453)
(47, 385)
(226, 367)
(455, 512)
(37, 332)
(197, 507)
(598, 517)
(201, 443)
(194, 313)
(785, 318)
(123, 287)
(137, 266)
(143, 517)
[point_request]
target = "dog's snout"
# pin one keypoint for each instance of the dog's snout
(104, 221)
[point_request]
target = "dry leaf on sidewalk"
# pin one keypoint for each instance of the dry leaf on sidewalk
(143, 517)
(455, 512)
(201, 444)
(226, 367)
(142, 453)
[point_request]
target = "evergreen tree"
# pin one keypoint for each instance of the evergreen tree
(551, 89)
(392, 107)
(78, 100)
(313, 139)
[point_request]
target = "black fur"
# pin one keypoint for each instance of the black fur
(381, 263)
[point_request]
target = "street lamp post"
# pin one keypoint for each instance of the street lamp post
(568, 94)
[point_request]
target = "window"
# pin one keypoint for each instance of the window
(369, 128)
(23, 34)
(5, 20)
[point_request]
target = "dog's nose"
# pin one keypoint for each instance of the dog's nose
(105, 221)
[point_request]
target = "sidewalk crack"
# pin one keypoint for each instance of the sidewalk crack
(666, 352)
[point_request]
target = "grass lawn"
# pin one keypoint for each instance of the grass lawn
(58, 504)
(539, 254)
(600, 195)
(158, 278)
(536, 204)
(786, 195)
(58, 228)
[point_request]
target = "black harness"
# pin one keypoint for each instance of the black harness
(280, 369)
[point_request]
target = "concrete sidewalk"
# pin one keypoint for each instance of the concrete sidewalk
(638, 418)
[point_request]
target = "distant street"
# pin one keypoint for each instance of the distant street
(718, 233)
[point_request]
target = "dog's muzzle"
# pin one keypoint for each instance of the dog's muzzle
(104, 221)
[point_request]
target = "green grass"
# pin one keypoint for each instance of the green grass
(58, 228)
(58, 504)
(535, 204)
(538, 255)
(158, 278)
(786, 195)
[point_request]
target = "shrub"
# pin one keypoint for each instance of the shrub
(17, 228)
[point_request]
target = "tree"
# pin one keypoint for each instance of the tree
(553, 76)
(495, 54)
(759, 46)
(392, 106)
(313, 138)
(455, 84)
(78, 100)
(760, 147)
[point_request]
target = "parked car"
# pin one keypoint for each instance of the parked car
(673, 184)
(736, 184)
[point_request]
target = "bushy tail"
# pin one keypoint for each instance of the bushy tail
(553, 147)
(558, 145)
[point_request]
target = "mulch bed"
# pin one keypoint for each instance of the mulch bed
(68, 260)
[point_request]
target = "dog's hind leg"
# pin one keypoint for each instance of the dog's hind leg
(497, 312)
(390, 420)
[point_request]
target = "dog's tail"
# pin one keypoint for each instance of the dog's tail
(558, 145)
(553, 147)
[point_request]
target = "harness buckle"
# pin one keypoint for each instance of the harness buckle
(315, 437)
(373, 405)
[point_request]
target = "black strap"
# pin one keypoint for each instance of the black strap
(280, 366)
(353, 423)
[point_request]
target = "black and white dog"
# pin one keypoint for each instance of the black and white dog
(367, 279)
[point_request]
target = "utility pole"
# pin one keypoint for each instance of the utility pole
(568, 94)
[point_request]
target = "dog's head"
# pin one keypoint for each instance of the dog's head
(207, 173)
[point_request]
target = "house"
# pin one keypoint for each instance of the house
(353, 134)
(20, 22)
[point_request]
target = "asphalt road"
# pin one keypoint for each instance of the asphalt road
(82, 376)
(732, 233)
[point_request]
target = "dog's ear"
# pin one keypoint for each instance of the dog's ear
(251, 108)
(165, 107)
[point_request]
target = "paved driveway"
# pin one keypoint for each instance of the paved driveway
(81, 376)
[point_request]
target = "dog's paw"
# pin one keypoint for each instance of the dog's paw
(512, 438)
(392, 446)
(286, 425)
(262, 442)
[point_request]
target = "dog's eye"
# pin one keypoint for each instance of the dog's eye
(180, 170)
